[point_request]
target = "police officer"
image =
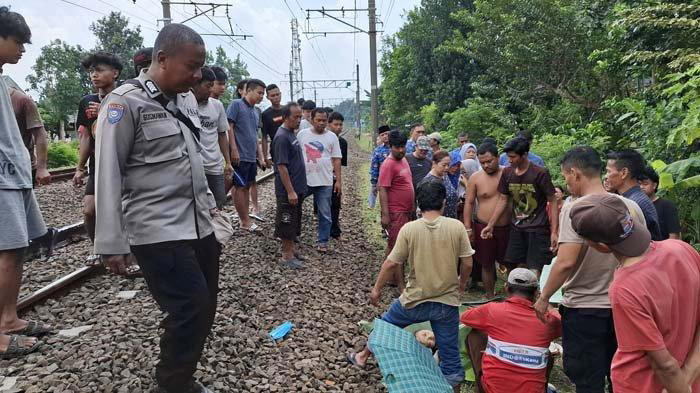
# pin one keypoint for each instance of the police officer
(152, 199)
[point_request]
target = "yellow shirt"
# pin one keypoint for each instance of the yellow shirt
(432, 250)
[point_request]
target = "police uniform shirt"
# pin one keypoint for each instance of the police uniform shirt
(150, 184)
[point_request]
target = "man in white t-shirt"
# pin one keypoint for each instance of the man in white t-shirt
(322, 157)
(212, 136)
(585, 275)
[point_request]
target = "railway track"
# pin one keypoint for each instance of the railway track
(62, 174)
(64, 237)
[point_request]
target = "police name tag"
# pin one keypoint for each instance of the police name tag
(153, 116)
(115, 112)
(534, 358)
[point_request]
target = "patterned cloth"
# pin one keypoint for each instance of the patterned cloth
(378, 156)
(406, 365)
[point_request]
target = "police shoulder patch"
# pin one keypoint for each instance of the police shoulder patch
(115, 112)
(151, 86)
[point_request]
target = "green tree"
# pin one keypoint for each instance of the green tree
(235, 69)
(59, 80)
(115, 36)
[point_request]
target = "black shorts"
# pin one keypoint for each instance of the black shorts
(90, 185)
(244, 174)
(529, 248)
(288, 219)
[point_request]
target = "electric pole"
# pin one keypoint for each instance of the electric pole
(291, 86)
(357, 98)
(373, 66)
(166, 12)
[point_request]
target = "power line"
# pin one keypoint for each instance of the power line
(127, 13)
(98, 12)
(320, 58)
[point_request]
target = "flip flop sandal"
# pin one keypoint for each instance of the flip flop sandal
(133, 271)
(256, 216)
(253, 228)
(16, 347)
(351, 359)
(33, 329)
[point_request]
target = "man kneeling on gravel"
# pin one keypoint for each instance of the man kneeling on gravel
(431, 246)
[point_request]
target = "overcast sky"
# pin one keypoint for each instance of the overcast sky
(331, 57)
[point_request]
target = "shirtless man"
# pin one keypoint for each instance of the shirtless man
(483, 189)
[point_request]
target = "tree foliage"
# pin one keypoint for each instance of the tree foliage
(59, 79)
(115, 36)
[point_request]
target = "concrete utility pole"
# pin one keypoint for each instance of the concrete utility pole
(357, 100)
(373, 65)
(166, 12)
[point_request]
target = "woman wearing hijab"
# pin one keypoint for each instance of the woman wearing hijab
(439, 173)
(468, 151)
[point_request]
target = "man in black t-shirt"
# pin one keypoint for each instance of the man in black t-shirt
(335, 124)
(533, 236)
(665, 210)
(104, 70)
(418, 160)
(271, 119)
(290, 184)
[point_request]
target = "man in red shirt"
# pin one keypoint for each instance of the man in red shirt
(655, 299)
(396, 195)
(517, 352)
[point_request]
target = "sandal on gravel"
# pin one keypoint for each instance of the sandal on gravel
(253, 228)
(299, 256)
(292, 263)
(256, 216)
(16, 347)
(351, 359)
(33, 329)
(133, 271)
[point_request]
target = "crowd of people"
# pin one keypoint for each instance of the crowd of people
(159, 154)
(623, 271)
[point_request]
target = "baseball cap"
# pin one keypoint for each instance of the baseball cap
(523, 277)
(142, 57)
(436, 136)
(423, 143)
(604, 218)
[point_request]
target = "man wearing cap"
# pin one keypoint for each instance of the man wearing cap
(418, 160)
(516, 353)
(142, 59)
(655, 299)
(380, 153)
(435, 140)
(585, 275)
(417, 131)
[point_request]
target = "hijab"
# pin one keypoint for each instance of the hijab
(465, 147)
(455, 159)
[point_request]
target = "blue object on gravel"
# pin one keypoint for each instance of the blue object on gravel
(280, 331)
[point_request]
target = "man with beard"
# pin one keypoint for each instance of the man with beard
(482, 191)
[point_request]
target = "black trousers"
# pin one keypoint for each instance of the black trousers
(183, 277)
(335, 214)
(589, 345)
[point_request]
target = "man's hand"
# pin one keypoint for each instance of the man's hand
(235, 157)
(115, 263)
(470, 234)
(293, 198)
(541, 307)
(462, 288)
(269, 163)
(554, 242)
(43, 176)
(228, 171)
(487, 232)
(374, 297)
(338, 188)
(261, 164)
(386, 221)
(92, 110)
(78, 177)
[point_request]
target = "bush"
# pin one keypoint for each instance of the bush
(62, 154)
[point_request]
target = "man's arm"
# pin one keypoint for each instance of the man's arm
(501, 205)
(691, 367)
(554, 223)
(41, 144)
(385, 274)
(465, 271)
(567, 260)
(667, 371)
(224, 147)
(469, 207)
(384, 205)
(84, 148)
(287, 183)
(235, 156)
(338, 180)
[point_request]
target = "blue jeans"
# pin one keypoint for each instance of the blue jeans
(444, 320)
(322, 202)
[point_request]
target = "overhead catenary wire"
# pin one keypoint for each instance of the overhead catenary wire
(99, 12)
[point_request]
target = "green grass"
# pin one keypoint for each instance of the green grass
(366, 143)
(370, 217)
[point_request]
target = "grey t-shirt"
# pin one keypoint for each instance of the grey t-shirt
(212, 115)
(245, 118)
(15, 163)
